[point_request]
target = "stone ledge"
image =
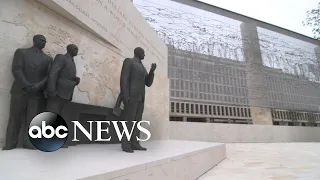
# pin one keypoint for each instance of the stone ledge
(242, 133)
(168, 159)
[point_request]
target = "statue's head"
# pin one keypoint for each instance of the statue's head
(72, 50)
(39, 41)
(139, 53)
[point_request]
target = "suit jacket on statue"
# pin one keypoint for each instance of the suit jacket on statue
(62, 76)
(29, 67)
(134, 78)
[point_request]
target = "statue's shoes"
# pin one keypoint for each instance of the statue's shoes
(138, 147)
(29, 147)
(128, 150)
(8, 148)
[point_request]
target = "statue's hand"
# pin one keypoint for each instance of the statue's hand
(77, 79)
(126, 100)
(153, 67)
(37, 87)
(33, 88)
(29, 88)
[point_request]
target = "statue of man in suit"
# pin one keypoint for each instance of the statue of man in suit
(62, 80)
(30, 69)
(134, 78)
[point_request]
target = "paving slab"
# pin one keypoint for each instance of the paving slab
(274, 161)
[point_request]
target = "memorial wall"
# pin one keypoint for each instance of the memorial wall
(105, 31)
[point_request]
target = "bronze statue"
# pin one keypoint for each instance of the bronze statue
(134, 78)
(30, 70)
(62, 80)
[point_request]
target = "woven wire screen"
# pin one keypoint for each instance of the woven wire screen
(206, 58)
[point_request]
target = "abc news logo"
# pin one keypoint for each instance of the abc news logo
(48, 131)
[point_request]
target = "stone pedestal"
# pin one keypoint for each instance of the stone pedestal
(256, 81)
(164, 160)
(283, 123)
(297, 124)
(184, 119)
(261, 116)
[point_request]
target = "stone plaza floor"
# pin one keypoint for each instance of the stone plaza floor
(276, 161)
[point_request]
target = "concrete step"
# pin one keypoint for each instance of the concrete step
(165, 159)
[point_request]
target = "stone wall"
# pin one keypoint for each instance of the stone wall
(106, 33)
(238, 133)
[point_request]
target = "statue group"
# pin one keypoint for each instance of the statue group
(43, 84)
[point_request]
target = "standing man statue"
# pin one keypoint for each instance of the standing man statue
(62, 80)
(30, 70)
(134, 78)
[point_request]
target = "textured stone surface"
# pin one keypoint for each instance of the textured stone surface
(236, 133)
(164, 160)
(99, 62)
(256, 80)
(261, 116)
(268, 162)
(117, 22)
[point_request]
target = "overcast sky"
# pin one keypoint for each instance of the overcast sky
(288, 14)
